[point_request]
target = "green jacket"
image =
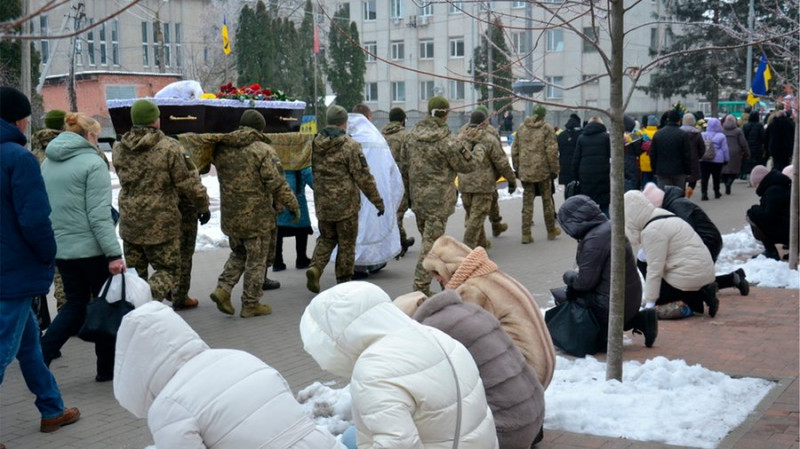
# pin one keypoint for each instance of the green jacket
(493, 165)
(79, 188)
(535, 151)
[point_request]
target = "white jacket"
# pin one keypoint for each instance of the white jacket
(403, 387)
(674, 251)
(197, 397)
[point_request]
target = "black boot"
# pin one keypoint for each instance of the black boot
(269, 284)
(740, 282)
(278, 265)
(646, 322)
(301, 242)
(709, 295)
(704, 197)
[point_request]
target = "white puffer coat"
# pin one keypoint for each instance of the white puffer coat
(403, 387)
(674, 251)
(197, 397)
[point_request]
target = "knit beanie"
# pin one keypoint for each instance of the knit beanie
(629, 123)
(253, 119)
(477, 117)
(54, 119)
(757, 175)
(539, 111)
(14, 105)
(336, 116)
(652, 120)
(573, 122)
(144, 112)
(654, 194)
(688, 119)
(483, 109)
(397, 115)
(438, 106)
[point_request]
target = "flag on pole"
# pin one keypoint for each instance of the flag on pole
(760, 86)
(226, 44)
(316, 39)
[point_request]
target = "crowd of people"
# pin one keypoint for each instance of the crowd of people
(476, 358)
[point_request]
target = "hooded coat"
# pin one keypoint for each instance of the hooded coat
(780, 141)
(718, 139)
(582, 219)
(756, 136)
(514, 393)
(402, 374)
(197, 397)
(676, 202)
(591, 163)
(566, 148)
(738, 148)
(771, 215)
(478, 281)
(675, 253)
(534, 151)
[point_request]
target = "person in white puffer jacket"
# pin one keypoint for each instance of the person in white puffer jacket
(198, 397)
(402, 373)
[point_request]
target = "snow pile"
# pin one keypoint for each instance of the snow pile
(330, 408)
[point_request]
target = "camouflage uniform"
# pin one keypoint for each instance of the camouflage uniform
(152, 174)
(340, 170)
(479, 186)
(277, 207)
(498, 227)
(534, 154)
(250, 182)
(188, 239)
(432, 157)
(396, 135)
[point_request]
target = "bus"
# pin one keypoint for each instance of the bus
(736, 108)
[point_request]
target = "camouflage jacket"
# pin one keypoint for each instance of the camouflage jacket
(153, 173)
(433, 157)
(396, 136)
(340, 170)
(493, 164)
(249, 181)
(534, 152)
(40, 140)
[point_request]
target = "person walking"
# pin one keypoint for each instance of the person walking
(780, 140)
(27, 256)
(250, 183)
(290, 226)
(396, 135)
(670, 154)
(534, 155)
(738, 150)
(567, 139)
(756, 136)
(697, 147)
(713, 168)
(340, 172)
(591, 163)
(79, 185)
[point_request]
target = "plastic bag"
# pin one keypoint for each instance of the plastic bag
(137, 290)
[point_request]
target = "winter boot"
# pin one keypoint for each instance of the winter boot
(223, 301)
(269, 284)
(278, 265)
(740, 282)
(301, 242)
(252, 309)
(312, 279)
(527, 238)
(709, 295)
(551, 235)
(646, 322)
(499, 228)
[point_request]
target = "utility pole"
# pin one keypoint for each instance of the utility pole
(78, 18)
(529, 49)
(25, 69)
(489, 68)
(159, 43)
(749, 72)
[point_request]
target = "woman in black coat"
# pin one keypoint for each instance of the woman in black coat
(756, 135)
(592, 162)
(566, 148)
(769, 220)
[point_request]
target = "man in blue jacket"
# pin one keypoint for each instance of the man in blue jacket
(27, 257)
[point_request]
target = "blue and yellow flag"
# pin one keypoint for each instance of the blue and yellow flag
(760, 86)
(226, 44)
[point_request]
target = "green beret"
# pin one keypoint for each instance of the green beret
(253, 119)
(477, 117)
(539, 110)
(397, 115)
(483, 109)
(54, 119)
(336, 115)
(439, 103)
(144, 112)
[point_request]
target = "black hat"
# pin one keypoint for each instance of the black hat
(477, 117)
(573, 122)
(14, 105)
(397, 115)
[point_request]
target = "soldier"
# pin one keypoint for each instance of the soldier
(498, 227)
(152, 174)
(479, 186)
(340, 170)
(433, 156)
(396, 135)
(189, 218)
(277, 207)
(250, 184)
(534, 154)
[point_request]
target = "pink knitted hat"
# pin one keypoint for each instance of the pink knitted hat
(654, 194)
(757, 174)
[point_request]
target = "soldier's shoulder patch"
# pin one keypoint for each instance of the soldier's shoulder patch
(187, 158)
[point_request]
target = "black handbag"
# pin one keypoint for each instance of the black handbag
(103, 318)
(573, 327)
(572, 188)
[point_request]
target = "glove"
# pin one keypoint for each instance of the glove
(569, 277)
(380, 212)
(203, 217)
(512, 187)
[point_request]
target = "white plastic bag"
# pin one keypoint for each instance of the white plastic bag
(137, 290)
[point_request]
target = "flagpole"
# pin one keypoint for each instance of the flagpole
(750, 20)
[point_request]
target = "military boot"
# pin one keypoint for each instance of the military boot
(252, 309)
(527, 237)
(223, 301)
(312, 279)
(646, 322)
(343, 279)
(499, 228)
(551, 235)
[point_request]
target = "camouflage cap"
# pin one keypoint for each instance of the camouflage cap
(483, 109)
(539, 110)
(54, 119)
(144, 112)
(438, 105)
(336, 115)
(477, 117)
(253, 119)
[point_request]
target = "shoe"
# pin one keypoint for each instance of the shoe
(704, 197)
(250, 310)
(104, 377)
(376, 268)
(69, 416)
(312, 279)
(359, 275)
(527, 238)
(727, 190)
(499, 228)
(709, 293)
(278, 266)
(717, 195)
(740, 282)
(552, 235)
(404, 245)
(223, 301)
(301, 263)
(646, 322)
(486, 245)
(188, 303)
(269, 284)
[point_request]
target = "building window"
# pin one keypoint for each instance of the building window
(145, 46)
(654, 39)
(518, 42)
(426, 9)
(115, 42)
(178, 49)
(518, 4)
(456, 47)
(369, 10)
(371, 92)
(398, 50)
(398, 91)
(585, 78)
(456, 8)
(103, 44)
(167, 58)
(425, 90)
(44, 44)
(396, 9)
(555, 40)
(554, 92)
(90, 43)
(371, 49)
(120, 92)
(426, 49)
(588, 46)
(456, 90)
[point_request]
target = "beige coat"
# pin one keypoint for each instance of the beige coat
(478, 281)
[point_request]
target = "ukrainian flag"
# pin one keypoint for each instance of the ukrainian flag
(226, 43)
(760, 86)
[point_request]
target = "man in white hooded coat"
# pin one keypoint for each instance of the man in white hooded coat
(412, 386)
(197, 397)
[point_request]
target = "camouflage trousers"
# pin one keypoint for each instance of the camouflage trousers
(58, 290)
(401, 212)
(248, 257)
(477, 207)
(431, 229)
(165, 258)
(343, 234)
(494, 212)
(188, 241)
(272, 242)
(528, 194)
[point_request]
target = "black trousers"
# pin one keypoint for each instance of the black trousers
(712, 170)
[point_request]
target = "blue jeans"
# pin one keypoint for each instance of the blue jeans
(349, 438)
(19, 337)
